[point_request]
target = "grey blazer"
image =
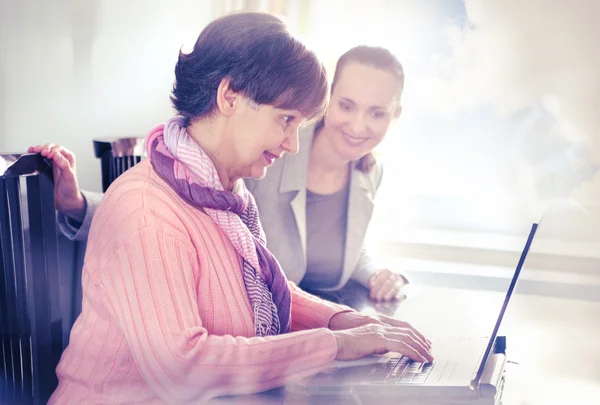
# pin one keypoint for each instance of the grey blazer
(281, 200)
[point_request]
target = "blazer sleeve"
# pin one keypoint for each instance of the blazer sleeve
(367, 265)
(79, 230)
(365, 268)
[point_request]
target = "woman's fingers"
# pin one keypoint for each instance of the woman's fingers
(46, 149)
(385, 285)
(376, 338)
(402, 338)
(402, 324)
(35, 149)
(54, 150)
(413, 352)
(378, 286)
(390, 290)
(60, 156)
(60, 161)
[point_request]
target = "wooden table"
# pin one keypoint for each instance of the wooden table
(556, 343)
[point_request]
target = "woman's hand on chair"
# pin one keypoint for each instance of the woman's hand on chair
(67, 196)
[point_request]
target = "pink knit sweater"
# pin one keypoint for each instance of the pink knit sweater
(165, 316)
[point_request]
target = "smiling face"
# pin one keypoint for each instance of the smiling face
(364, 103)
(262, 134)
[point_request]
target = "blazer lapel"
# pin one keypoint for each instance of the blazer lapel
(360, 209)
(294, 178)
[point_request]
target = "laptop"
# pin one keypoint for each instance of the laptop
(458, 371)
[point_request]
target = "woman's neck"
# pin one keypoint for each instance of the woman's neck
(208, 134)
(327, 171)
(324, 160)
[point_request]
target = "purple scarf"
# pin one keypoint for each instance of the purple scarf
(180, 161)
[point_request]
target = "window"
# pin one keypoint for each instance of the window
(498, 126)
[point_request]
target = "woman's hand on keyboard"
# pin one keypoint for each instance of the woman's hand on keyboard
(354, 319)
(377, 338)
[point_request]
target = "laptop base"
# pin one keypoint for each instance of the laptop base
(489, 391)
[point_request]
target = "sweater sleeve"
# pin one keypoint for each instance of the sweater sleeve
(149, 287)
(309, 312)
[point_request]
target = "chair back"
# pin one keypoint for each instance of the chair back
(30, 317)
(117, 155)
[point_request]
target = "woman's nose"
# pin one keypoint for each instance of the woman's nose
(358, 124)
(291, 143)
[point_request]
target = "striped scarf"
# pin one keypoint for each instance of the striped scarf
(180, 161)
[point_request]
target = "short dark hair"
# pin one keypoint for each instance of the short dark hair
(261, 58)
(379, 58)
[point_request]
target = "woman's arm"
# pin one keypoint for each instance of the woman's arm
(383, 284)
(149, 287)
(73, 229)
(366, 267)
(310, 312)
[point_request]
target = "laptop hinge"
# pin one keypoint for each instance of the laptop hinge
(499, 348)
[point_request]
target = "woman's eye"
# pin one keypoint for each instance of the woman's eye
(287, 119)
(378, 114)
(345, 107)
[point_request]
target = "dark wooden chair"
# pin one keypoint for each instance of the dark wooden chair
(117, 155)
(30, 317)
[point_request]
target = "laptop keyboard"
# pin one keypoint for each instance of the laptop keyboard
(453, 356)
(405, 371)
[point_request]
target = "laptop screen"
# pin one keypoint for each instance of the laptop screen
(488, 350)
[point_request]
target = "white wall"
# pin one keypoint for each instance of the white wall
(75, 70)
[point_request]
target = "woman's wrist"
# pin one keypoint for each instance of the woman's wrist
(75, 209)
(349, 320)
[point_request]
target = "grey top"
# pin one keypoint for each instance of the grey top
(326, 221)
(281, 198)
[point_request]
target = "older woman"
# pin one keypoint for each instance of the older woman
(182, 300)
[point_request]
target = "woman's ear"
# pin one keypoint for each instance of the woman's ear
(397, 112)
(226, 98)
